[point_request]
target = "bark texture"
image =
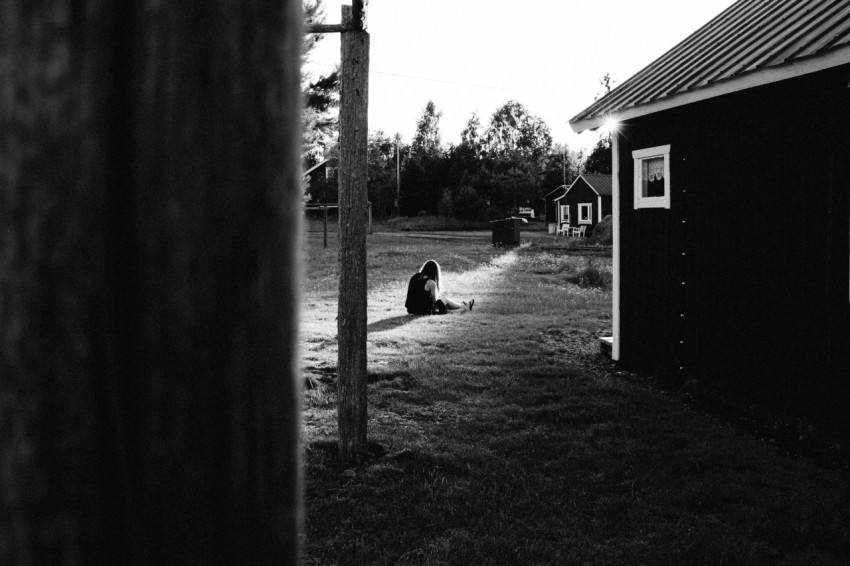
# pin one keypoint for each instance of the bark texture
(353, 204)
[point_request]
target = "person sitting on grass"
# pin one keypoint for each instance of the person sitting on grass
(423, 293)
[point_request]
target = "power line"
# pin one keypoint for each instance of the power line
(445, 81)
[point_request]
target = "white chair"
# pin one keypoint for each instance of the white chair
(563, 229)
(578, 232)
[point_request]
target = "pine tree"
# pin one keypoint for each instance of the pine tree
(426, 142)
(321, 97)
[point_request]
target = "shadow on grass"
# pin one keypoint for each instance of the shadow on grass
(328, 450)
(390, 323)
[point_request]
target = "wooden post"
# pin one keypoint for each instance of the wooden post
(149, 383)
(351, 319)
(358, 15)
(397, 175)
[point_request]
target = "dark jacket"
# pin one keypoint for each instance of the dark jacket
(419, 298)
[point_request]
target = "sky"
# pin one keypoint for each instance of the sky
(475, 55)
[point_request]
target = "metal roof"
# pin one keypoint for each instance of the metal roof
(751, 43)
(599, 182)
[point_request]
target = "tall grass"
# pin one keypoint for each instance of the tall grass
(501, 436)
(593, 275)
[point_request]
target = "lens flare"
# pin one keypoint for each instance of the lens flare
(611, 125)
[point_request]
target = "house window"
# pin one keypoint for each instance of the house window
(585, 213)
(652, 177)
(565, 213)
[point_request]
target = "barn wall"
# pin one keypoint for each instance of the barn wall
(606, 206)
(552, 206)
(582, 193)
(743, 282)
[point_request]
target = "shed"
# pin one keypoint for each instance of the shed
(550, 210)
(320, 180)
(585, 202)
(318, 171)
(731, 207)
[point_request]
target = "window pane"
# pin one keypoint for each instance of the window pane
(652, 183)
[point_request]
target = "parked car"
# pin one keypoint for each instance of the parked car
(525, 212)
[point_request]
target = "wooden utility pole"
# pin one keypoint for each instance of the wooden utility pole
(565, 165)
(353, 216)
(149, 376)
(353, 203)
(398, 174)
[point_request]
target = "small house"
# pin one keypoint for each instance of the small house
(318, 172)
(320, 181)
(731, 207)
(585, 202)
(550, 209)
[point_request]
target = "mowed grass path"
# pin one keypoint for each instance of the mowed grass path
(503, 437)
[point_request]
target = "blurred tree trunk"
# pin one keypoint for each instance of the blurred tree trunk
(149, 221)
(353, 204)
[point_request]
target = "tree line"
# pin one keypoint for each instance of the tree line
(511, 162)
(496, 168)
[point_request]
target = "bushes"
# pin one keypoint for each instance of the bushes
(432, 223)
(585, 271)
(468, 205)
(592, 276)
(603, 233)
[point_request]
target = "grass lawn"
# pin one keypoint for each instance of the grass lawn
(502, 436)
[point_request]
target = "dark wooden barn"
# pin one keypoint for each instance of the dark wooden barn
(550, 209)
(320, 181)
(324, 170)
(585, 202)
(731, 163)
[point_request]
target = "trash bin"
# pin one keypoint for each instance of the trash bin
(506, 231)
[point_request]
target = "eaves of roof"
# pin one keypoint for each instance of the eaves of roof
(561, 188)
(314, 167)
(751, 43)
(596, 181)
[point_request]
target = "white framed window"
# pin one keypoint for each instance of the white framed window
(585, 213)
(652, 177)
(565, 213)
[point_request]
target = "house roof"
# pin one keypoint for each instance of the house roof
(561, 188)
(751, 43)
(314, 167)
(599, 182)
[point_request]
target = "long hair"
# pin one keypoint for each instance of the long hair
(432, 269)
